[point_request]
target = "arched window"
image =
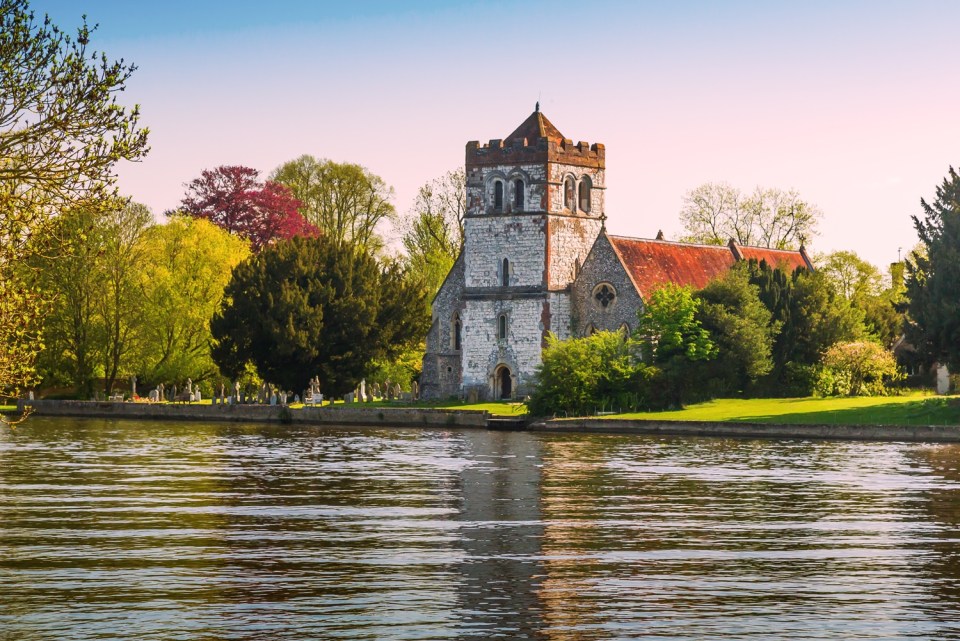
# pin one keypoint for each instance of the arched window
(569, 194)
(585, 187)
(625, 330)
(505, 273)
(518, 195)
(498, 195)
(502, 327)
(457, 332)
(590, 330)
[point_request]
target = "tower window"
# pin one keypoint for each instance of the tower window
(457, 327)
(502, 327)
(518, 195)
(505, 273)
(498, 195)
(585, 186)
(569, 194)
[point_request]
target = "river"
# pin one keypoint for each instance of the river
(203, 531)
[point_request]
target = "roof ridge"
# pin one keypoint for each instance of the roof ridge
(671, 242)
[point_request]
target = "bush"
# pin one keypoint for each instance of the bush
(860, 368)
(601, 372)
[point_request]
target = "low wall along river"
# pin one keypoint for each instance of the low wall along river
(432, 417)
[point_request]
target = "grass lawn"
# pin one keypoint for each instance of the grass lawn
(911, 409)
(7, 409)
(502, 408)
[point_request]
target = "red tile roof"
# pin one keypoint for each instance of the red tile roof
(535, 127)
(654, 263)
(789, 260)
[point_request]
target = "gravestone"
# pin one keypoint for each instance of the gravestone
(154, 395)
(197, 396)
(415, 391)
(133, 386)
(348, 397)
(943, 380)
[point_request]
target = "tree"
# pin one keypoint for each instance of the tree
(313, 306)
(674, 339)
(713, 213)
(61, 132)
(742, 328)
(346, 202)
(852, 277)
(186, 265)
(933, 278)
(233, 198)
(433, 229)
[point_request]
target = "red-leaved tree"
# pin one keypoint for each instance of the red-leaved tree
(234, 198)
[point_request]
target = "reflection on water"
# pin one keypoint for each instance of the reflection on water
(203, 531)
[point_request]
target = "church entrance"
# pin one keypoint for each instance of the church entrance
(503, 382)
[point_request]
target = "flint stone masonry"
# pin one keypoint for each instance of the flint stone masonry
(483, 351)
(570, 242)
(518, 239)
(603, 266)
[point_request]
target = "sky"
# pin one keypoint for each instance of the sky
(853, 104)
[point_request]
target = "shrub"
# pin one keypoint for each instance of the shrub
(860, 368)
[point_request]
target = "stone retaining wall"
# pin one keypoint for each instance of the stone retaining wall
(388, 416)
(918, 433)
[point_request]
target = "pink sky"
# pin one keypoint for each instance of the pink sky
(853, 104)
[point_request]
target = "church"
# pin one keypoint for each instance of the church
(537, 258)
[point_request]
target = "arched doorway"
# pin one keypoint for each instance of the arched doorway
(503, 382)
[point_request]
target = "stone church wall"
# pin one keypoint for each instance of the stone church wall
(519, 239)
(440, 378)
(570, 241)
(603, 266)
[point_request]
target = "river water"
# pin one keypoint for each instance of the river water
(140, 530)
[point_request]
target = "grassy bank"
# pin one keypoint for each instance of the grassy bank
(911, 409)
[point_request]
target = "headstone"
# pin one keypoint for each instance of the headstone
(406, 396)
(133, 386)
(273, 399)
(154, 395)
(197, 396)
(236, 391)
(473, 395)
(943, 380)
(296, 398)
(190, 386)
(363, 389)
(173, 393)
(396, 390)
(283, 398)
(348, 397)
(160, 390)
(415, 391)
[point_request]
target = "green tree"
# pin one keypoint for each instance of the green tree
(713, 213)
(345, 201)
(851, 276)
(933, 278)
(315, 306)
(186, 265)
(433, 229)
(61, 132)
(742, 328)
(674, 339)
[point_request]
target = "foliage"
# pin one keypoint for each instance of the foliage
(346, 202)
(402, 369)
(580, 376)
(186, 265)
(433, 229)
(61, 132)
(232, 197)
(713, 213)
(933, 278)
(742, 328)
(860, 368)
(675, 340)
(314, 306)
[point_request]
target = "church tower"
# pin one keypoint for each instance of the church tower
(535, 205)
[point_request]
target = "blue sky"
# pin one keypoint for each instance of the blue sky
(851, 103)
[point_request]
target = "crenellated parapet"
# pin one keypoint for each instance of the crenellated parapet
(518, 151)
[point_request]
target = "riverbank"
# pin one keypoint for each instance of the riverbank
(379, 415)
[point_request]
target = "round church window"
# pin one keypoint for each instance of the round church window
(605, 294)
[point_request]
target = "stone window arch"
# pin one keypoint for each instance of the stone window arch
(502, 327)
(625, 330)
(505, 272)
(590, 330)
(519, 197)
(586, 185)
(498, 195)
(569, 194)
(456, 333)
(604, 295)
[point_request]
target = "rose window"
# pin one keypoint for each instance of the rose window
(605, 295)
